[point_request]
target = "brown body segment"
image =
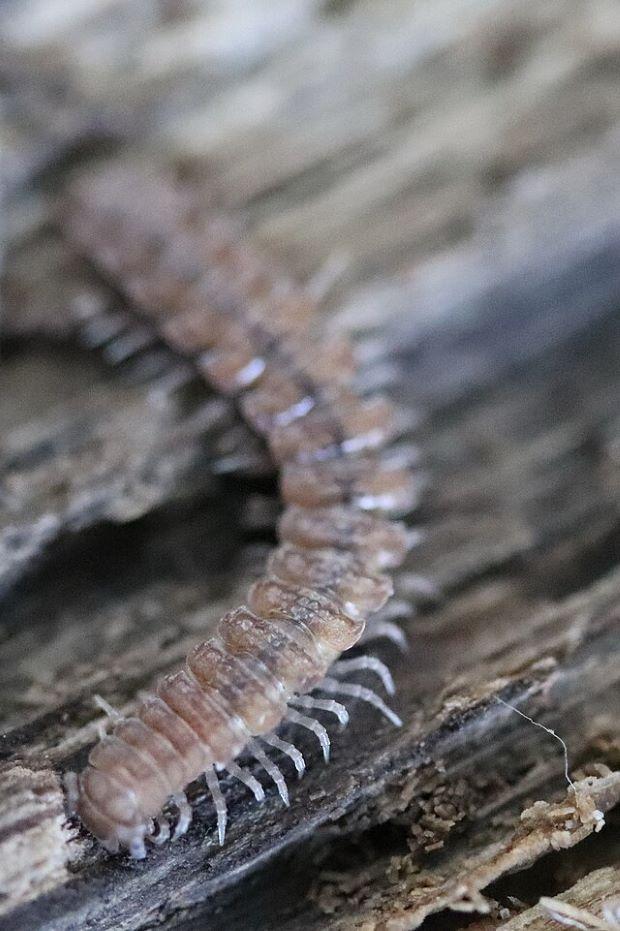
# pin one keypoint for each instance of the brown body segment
(249, 330)
(336, 572)
(292, 660)
(367, 483)
(378, 542)
(345, 425)
(319, 616)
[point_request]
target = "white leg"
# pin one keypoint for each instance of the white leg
(377, 377)
(72, 789)
(394, 610)
(163, 832)
(359, 691)
(415, 536)
(329, 274)
(246, 777)
(219, 801)
(137, 850)
(378, 629)
(290, 749)
(382, 624)
(362, 663)
(112, 846)
(270, 767)
(323, 704)
(313, 725)
(128, 344)
(178, 377)
(418, 586)
(113, 714)
(185, 815)
(100, 330)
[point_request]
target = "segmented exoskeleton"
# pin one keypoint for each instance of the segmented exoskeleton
(249, 330)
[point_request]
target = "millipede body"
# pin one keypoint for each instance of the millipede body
(251, 332)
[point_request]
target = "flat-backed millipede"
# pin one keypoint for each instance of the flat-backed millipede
(250, 331)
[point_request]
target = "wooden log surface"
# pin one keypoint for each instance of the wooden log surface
(458, 162)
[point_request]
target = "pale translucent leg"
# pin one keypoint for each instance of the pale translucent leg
(290, 749)
(185, 814)
(219, 801)
(415, 536)
(72, 790)
(330, 273)
(101, 329)
(418, 586)
(128, 344)
(114, 715)
(163, 832)
(394, 610)
(111, 846)
(137, 849)
(336, 687)
(362, 663)
(387, 630)
(323, 704)
(246, 777)
(173, 380)
(270, 767)
(378, 629)
(377, 377)
(382, 624)
(313, 725)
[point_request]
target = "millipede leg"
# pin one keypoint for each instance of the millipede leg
(177, 378)
(419, 586)
(388, 630)
(113, 714)
(246, 777)
(270, 767)
(163, 832)
(122, 347)
(185, 814)
(101, 329)
(219, 801)
(290, 749)
(71, 785)
(359, 691)
(323, 704)
(328, 275)
(362, 663)
(382, 624)
(112, 846)
(313, 725)
(137, 849)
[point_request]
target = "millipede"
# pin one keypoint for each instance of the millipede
(251, 332)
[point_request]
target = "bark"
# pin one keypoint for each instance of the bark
(462, 165)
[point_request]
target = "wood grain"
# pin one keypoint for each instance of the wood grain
(462, 162)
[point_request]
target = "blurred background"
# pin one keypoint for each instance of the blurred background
(447, 174)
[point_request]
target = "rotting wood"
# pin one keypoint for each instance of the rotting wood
(569, 635)
(543, 827)
(521, 435)
(584, 902)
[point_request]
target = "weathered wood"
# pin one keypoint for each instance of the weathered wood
(463, 164)
(497, 545)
